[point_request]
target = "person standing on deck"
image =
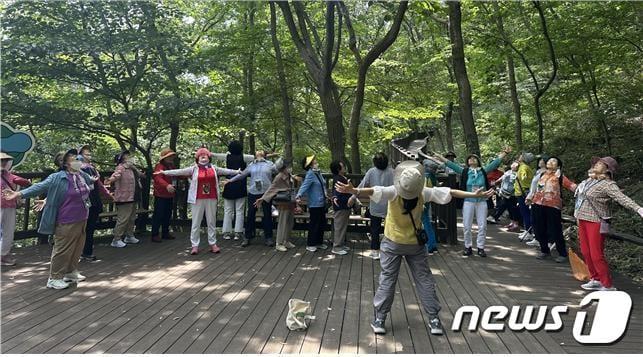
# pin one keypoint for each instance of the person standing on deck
(314, 188)
(164, 193)
(404, 238)
(8, 211)
(341, 209)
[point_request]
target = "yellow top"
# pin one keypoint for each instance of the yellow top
(398, 226)
(523, 179)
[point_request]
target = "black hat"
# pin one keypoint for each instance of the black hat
(118, 158)
(450, 154)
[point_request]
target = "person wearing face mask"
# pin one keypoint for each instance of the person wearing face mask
(403, 238)
(127, 193)
(164, 192)
(314, 188)
(8, 211)
(64, 215)
(547, 203)
(473, 177)
(592, 206)
(284, 181)
(85, 156)
(260, 172)
(203, 195)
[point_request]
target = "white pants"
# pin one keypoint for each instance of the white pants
(480, 211)
(8, 229)
(209, 207)
(233, 208)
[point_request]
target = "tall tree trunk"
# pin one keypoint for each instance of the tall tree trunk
(511, 75)
(283, 88)
(448, 121)
(542, 91)
(363, 65)
(460, 71)
(249, 69)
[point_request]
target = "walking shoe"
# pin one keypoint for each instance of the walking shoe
(194, 251)
(88, 258)
(227, 236)
(290, 245)
(592, 285)
(339, 251)
(433, 250)
(281, 248)
(378, 327)
(346, 248)
(533, 243)
(508, 226)
(375, 254)
(552, 246)
(611, 288)
(560, 259)
(311, 248)
(467, 251)
(57, 284)
(131, 240)
(74, 277)
(526, 236)
(322, 246)
(215, 248)
(7, 260)
(269, 243)
(492, 220)
(118, 244)
(514, 229)
(436, 326)
(237, 236)
(543, 256)
(481, 253)
(245, 242)
(156, 239)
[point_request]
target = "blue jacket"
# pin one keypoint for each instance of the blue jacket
(313, 188)
(475, 176)
(56, 187)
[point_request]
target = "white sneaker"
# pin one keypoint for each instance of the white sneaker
(322, 246)
(227, 236)
(57, 284)
(74, 277)
(311, 248)
(592, 285)
(492, 220)
(281, 248)
(118, 244)
(346, 248)
(533, 243)
(602, 288)
(552, 246)
(375, 254)
(290, 245)
(339, 251)
(131, 240)
(526, 236)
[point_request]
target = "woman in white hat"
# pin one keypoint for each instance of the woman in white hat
(404, 237)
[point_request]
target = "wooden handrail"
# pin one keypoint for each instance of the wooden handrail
(615, 235)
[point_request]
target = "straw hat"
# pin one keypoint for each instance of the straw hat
(5, 156)
(165, 153)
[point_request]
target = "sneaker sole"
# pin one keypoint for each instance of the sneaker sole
(73, 280)
(378, 331)
(437, 332)
(55, 288)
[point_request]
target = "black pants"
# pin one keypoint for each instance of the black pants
(266, 221)
(376, 230)
(316, 226)
(162, 215)
(509, 204)
(92, 220)
(548, 227)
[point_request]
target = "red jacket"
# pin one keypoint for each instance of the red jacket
(11, 181)
(161, 182)
(494, 175)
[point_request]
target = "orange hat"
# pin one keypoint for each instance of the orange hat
(165, 153)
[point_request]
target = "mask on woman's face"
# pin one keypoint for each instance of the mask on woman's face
(75, 165)
(315, 166)
(7, 165)
(204, 160)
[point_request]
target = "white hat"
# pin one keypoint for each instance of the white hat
(409, 179)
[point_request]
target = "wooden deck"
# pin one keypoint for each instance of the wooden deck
(155, 298)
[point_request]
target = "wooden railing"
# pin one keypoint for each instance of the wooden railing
(444, 215)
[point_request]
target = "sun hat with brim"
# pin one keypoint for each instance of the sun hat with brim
(165, 153)
(5, 156)
(409, 179)
(610, 162)
(86, 146)
(309, 160)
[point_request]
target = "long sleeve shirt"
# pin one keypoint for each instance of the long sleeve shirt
(11, 181)
(314, 188)
(524, 175)
(260, 173)
(475, 178)
(548, 190)
(593, 197)
(377, 177)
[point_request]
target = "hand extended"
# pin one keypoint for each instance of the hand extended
(345, 187)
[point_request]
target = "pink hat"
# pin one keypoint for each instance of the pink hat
(201, 152)
(609, 161)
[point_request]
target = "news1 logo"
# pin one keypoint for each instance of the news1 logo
(610, 320)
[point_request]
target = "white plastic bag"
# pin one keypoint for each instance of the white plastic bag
(298, 315)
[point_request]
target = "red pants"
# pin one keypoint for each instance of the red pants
(592, 243)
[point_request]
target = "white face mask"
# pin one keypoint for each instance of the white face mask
(7, 166)
(203, 160)
(316, 166)
(75, 165)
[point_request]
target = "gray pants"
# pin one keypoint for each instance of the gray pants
(284, 224)
(340, 223)
(391, 255)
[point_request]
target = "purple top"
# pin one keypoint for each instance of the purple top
(73, 208)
